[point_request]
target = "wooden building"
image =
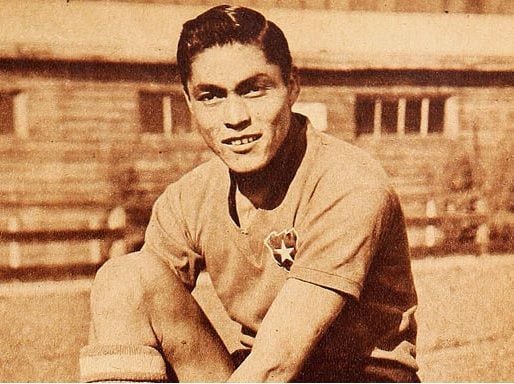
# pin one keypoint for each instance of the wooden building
(434, 6)
(92, 117)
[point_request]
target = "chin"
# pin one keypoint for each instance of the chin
(248, 169)
(245, 170)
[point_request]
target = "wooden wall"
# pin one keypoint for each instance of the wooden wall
(468, 6)
(84, 153)
(83, 127)
(484, 113)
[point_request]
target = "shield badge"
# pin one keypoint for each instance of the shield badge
(283, 247)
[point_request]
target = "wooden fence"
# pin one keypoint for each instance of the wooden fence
(433, 235)
(450, 233)
(67, 249)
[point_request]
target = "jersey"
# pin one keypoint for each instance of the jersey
(340, 226)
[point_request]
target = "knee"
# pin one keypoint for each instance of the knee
(121, 299)
(117, 284)
(129, 282)
(127, 296)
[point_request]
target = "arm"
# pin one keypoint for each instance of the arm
(295, 322)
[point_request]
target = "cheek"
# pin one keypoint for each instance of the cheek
(280, 121)
(270, 111)
(206, 122)
(201, 115)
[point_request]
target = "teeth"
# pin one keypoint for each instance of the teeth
(245, 140)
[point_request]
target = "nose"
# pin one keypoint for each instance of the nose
(236, 113)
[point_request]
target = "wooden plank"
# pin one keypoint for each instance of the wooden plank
(84, 165)
(41, 236)
(53, 169)
(155, 188)
(47, 151)
(42, 177)
(46, 272)
(54, 218)
(447, 248)
(21, 202)
(97, 115)
(454, 220)
(59, 146)
(411, 180)
(415, 190)
(58, 31)
(56, 199)
(71, 107)
(14, 187)
(79, 93)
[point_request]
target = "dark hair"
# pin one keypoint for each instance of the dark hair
(226, 24)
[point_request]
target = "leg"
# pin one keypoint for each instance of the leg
(137, 300)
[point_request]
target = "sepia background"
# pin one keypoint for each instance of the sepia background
(93, 126)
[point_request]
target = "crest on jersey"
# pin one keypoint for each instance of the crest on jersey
(283, 247)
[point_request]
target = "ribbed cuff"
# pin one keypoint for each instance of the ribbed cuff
(121, 363)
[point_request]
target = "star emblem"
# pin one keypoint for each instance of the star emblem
(285, 253)
(283, 247)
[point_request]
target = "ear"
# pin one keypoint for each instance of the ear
(188, 99)
(294, 85)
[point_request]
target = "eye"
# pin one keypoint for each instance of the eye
(209, 97)
(256, 89)
(255, 92)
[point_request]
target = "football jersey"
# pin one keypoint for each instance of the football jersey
(340, 226)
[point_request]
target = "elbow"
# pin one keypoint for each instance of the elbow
(281, 373)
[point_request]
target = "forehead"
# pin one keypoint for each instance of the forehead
(228, 65)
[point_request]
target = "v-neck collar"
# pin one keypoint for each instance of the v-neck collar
(313, 140)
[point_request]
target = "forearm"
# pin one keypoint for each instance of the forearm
(260, 369)
(289, 332)
(273, 359)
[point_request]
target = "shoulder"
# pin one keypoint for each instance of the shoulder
(346, 166)
(197, 185)
(203, 176)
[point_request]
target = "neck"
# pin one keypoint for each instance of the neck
(267, 187)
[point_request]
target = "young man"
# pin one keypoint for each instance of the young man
(302, 235)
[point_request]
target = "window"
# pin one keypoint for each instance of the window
(379, 115)
(163, 113)
(12, 114)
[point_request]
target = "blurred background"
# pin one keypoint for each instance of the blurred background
(93, 126)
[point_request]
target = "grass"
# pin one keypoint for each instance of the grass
(42, 334)
(466, 323)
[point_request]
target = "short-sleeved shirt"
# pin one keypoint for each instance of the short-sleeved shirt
(340, 226)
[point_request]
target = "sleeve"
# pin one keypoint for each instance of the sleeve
(168, 237)
(340, 236)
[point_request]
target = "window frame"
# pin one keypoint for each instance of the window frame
(169, 97)
(379, 104)
(17, 113)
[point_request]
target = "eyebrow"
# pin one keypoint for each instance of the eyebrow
(211, 88)
(241, 86)
(257, 79)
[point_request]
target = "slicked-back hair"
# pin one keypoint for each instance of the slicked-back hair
(226, 24)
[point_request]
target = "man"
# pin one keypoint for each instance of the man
(302, 236)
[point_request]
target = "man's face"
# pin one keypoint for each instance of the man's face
(241, 104)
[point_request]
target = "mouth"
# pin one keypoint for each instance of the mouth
(242, 140)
